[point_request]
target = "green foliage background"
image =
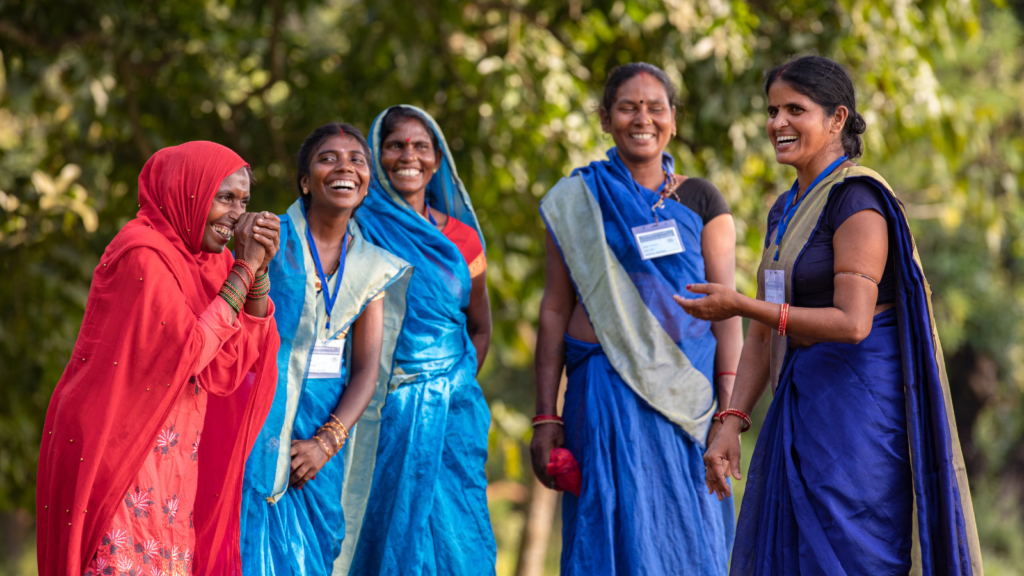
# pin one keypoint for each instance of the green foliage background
(89, 89)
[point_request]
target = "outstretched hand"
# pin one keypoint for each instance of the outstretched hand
(719, 303)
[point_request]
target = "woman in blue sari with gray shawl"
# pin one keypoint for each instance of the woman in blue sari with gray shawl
(332, 289)
(644, 378)
(427, 511)
(857, 469)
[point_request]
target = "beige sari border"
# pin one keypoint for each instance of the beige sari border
(638, 347)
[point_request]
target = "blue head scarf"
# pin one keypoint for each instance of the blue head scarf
(434, 336)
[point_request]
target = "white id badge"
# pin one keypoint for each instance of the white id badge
(326, 361)
(658, 239)
(775, 286)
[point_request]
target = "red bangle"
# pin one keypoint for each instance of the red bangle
(245, 266)
(783, 317)
(240, 277)
(547, 419)
(723, 374)
(738, 413)
(554, 417)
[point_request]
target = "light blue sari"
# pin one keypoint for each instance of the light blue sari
(638, 404)
(427, 511)
(300, 532)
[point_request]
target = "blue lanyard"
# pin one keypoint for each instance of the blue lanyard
(430, 215)
(329, 298)
(792, 208)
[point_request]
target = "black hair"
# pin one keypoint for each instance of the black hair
(828, 84)
(313, 142)
(621, 74)
(398, 114)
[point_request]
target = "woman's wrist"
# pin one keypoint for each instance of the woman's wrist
(741, 305)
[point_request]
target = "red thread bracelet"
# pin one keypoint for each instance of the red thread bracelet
(783, 318)
(724, 374)
(738, 413)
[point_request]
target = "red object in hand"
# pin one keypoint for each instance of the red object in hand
(566, 471)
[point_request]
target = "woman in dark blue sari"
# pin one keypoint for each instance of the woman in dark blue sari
(857, 469)
(644, 378)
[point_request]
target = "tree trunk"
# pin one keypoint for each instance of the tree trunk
(537, 531)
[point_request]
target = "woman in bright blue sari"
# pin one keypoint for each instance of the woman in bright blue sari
(623, 236)
(857, 469)
(427, 510)
(329, 285)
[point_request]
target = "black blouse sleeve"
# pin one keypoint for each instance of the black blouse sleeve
(702, 197)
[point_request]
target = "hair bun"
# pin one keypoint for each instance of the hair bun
(856, 123)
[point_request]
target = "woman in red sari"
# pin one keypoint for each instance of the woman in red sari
(178, 345)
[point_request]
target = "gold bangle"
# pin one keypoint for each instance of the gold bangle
(337, 437)
(338, 433)
(340, 423)
(324, 446)
(864, 276)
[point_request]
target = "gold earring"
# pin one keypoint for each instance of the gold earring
(305, 190)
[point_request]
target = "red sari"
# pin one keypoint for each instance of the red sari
(135, 368)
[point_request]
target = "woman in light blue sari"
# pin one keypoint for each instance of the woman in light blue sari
(427, 510)
(643, 377)
(329, 284)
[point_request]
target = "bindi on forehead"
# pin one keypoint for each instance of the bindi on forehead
(407, 140)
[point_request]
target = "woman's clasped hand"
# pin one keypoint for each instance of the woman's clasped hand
(257, 239)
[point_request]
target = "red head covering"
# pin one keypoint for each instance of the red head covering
(138, 347)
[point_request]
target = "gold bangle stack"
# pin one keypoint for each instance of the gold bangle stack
(338, 430)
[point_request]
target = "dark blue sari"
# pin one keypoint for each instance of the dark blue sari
(638, 405)
(859, 438)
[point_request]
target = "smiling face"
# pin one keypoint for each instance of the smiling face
(228, 204)
(799, 129)
(642, 120)
(408, 157)
(339, 174)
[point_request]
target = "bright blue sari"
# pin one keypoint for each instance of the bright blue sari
(858, 469)
(300, 532)
(638, 405)
(427, 512)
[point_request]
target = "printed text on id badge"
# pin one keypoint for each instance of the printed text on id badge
(775, 286)
(326, 360)
(658, 239)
